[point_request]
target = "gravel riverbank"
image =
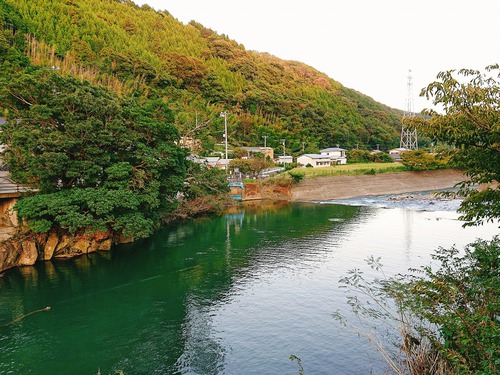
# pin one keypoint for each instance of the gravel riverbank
(342, 187)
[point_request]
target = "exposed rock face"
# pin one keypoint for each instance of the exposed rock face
(50, 246)
(28, 254)
(25, 249)
(257, 191)
(8, 216)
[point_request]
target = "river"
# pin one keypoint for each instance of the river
(236, 294)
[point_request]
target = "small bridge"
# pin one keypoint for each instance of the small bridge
(8, 188)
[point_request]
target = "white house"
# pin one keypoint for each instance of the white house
(337, 155)
(315, 160)
(284, 159)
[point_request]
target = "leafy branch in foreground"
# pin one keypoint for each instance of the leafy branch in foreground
(470, 102)
(384, 322)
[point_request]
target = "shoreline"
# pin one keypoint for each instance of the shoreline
(344, 187)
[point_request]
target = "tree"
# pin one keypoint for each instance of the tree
(470, 121)
(206, 192)
(420, 160)
(251, 167)
(442, 319)
(461, 299)
(99, 162)
(448, 316)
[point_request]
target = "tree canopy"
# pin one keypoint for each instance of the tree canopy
(97, 161)
(134, 50)
(469, 120)
(97, 92)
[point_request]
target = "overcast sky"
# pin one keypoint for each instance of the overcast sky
(367, 45)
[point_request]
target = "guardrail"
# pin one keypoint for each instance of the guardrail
(7, 186)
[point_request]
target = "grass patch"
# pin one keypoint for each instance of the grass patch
(351, 169)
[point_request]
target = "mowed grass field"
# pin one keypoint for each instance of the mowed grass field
(351, 169)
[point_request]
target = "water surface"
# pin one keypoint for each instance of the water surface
(237, 294)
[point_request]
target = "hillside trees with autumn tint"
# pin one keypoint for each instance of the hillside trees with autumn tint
(138, 51)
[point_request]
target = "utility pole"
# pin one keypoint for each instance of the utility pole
(303, 146)
(408, 135)
(283, 142)
(224, 114)
(265, 140)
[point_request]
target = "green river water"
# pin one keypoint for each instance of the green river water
(236, 294)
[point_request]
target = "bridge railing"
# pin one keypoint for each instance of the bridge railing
(7, 186)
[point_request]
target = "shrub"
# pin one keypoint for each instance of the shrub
(296, 176)
(447, 319)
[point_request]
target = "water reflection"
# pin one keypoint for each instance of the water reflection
(233, 294)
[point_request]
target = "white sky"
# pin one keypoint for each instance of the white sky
(367, 45)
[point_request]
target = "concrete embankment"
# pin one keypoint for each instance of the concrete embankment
(342, 187)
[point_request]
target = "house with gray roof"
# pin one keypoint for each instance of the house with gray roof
(336, 154)
(315, 160)
(326, 158)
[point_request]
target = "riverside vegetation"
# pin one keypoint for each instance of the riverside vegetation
(446, 320)
(98, 93)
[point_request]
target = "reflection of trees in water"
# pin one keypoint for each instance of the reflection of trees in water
(165, 285)
(264, 234)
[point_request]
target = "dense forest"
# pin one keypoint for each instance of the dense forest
(98, 92)
(144, 54)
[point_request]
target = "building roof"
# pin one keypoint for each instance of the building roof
(316, 156)
(256, 148)
(399, 149)
(331, 149)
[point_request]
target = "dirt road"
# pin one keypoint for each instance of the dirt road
(341, 187)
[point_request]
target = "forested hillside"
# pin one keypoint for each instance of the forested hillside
(137, 52)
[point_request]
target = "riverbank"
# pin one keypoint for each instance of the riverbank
(343, 187)
(26, 250)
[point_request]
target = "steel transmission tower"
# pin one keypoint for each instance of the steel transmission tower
(408, 134)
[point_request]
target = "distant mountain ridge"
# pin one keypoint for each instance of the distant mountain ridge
(137, 51)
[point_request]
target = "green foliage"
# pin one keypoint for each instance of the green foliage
(364, 156)
(203, 181)
(137, 51)
(382, 157)
(206, 191)
(441, 320)
(296, 176)
(420, 160)
(88, 208)
(252, 166)
(351, 169)
(462, 301)
(470, 122)
(99, 162)
(359, 156)
(449, 317)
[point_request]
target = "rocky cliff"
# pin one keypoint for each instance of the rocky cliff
(24, 249)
